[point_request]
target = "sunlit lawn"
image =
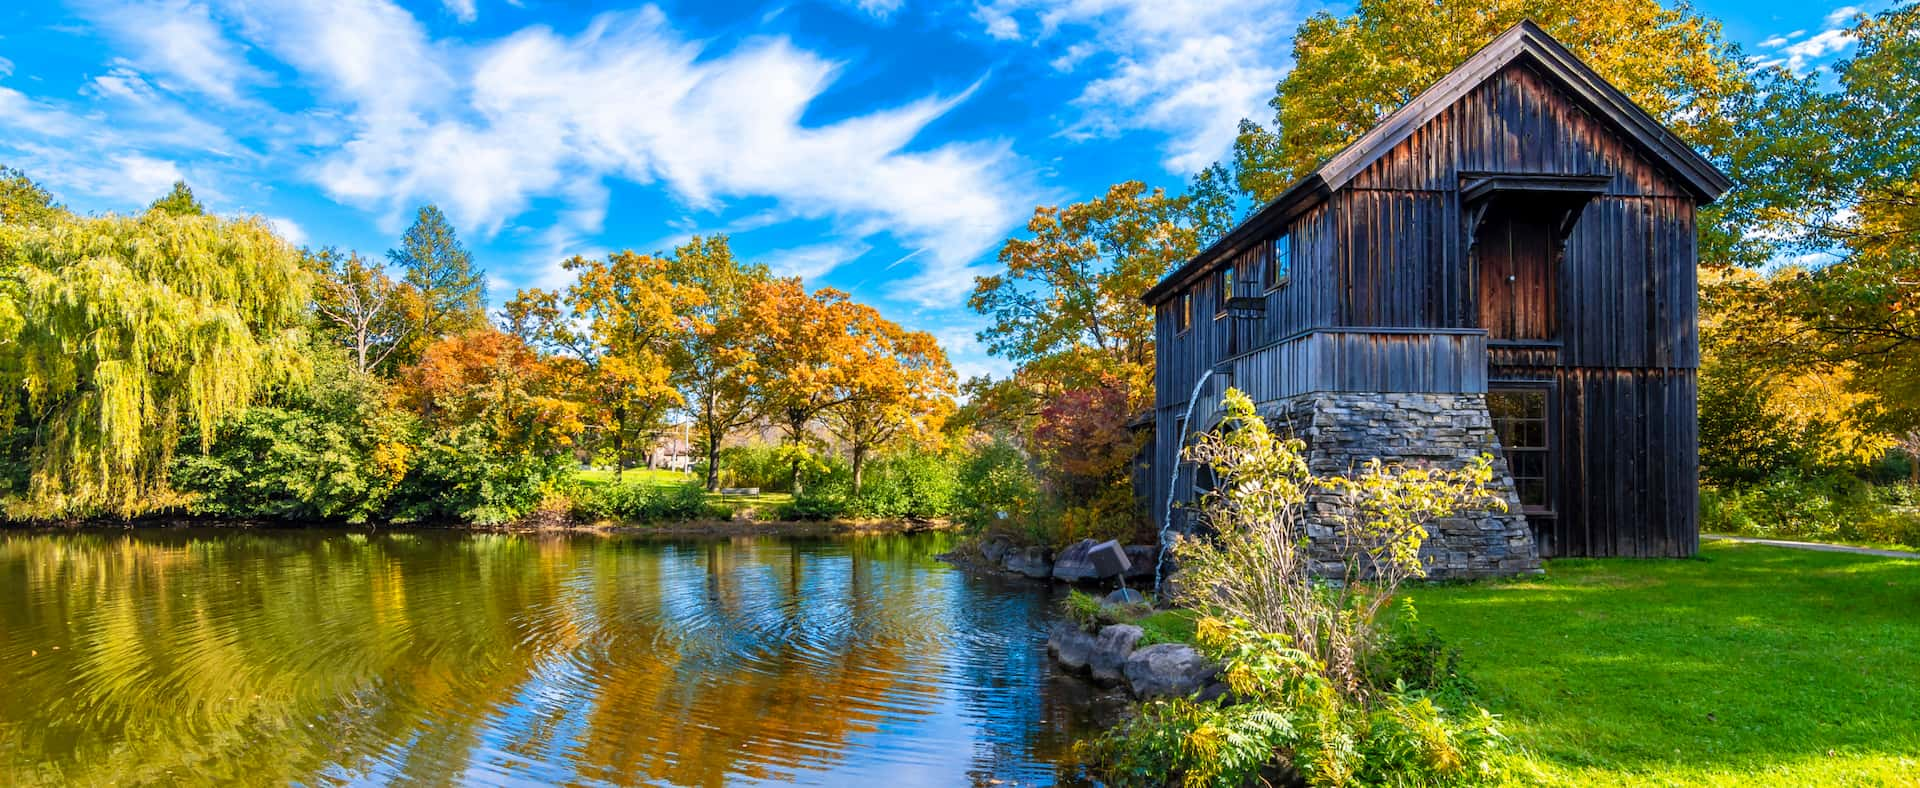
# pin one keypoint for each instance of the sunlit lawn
(1750, 665)
(764, 502)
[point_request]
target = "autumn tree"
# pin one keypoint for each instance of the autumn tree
(452, 293)
(491, 380)
(901, 389)
(1349, 72)
(631, 315)
(120, 334)
(717, 366)
(1067, 307)
(807, 346)
(178, 202)
(363, 306)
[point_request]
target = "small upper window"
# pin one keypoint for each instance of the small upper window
(1182, 313)
(1226, 291)
(1280, 260)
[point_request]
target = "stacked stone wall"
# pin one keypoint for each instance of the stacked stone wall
(1345, 430)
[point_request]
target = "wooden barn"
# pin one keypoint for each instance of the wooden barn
(1505, 264)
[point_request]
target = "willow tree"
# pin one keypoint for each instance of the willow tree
(119, 335)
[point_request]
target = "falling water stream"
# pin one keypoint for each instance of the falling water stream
(1180, 444)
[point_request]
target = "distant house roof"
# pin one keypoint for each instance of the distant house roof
(1522, 41)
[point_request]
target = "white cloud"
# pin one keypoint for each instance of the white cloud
(288, 229)
(1800, 52)
(812, 262)
(878, 9)
(6, 68)
(462, 10)
(486, 131)
(181, 42)
(1189, 69)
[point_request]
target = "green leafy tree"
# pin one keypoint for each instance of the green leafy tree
(453, 293)
(119, 334)
(178, 202)
(22, 201)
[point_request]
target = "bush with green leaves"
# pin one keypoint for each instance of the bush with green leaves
(1256, 562)
(334, 453)
(996, 488)
(462, 477)
(645, 503)
(1790, 505)
(1287, 719)
(911, 484)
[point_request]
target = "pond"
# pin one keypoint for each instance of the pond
(328, 657)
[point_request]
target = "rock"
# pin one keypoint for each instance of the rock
(1109, 559)
(1110, 652)
(995, 549)
(1031, 562)
(1168, 670)
(1070, 645)
(1125, 596)
(1141, 558)
(1073, 564)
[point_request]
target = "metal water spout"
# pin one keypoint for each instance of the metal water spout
(1180, 445)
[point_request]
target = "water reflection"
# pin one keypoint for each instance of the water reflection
(334, 658)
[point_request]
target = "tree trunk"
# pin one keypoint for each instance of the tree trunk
(713, 462)
(859, 462)
(619, 444)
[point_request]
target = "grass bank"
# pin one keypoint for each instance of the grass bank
(1750, 665)
(765, 502)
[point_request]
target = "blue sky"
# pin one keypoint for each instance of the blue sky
(884, 147)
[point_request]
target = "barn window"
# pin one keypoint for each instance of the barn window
(1225, 293)
(1280, 261)
(1520, 420)
(1183, 313)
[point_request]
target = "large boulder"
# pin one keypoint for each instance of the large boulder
(1031, 562)
(1070, 645)
(1110, 652)
(1125, 596)
(995, 549)
(1168, 670)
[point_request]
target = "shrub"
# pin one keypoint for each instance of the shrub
(337, 453)
(462, 476)
(645, 503)
(815, 504)
(911, 484)
(1287, 714)
(995, 489)
(1790, 505)
(1256, 565)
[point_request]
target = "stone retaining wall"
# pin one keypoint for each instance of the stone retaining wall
(1343, 430)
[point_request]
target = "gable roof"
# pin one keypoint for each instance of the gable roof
(1524, 41)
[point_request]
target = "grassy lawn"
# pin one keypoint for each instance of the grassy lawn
(1751, 665)
(601, 476)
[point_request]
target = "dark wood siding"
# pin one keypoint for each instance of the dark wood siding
(1386, 296)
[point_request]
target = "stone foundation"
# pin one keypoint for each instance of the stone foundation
(1344, 430)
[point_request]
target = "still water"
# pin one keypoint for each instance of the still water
(322, 657)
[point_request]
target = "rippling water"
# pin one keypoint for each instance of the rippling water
(323, 657)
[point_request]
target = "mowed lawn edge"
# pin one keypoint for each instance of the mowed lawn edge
(1747, 665)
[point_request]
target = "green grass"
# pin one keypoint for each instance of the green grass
(1168, 626)
(1751, 665)
(764, 502)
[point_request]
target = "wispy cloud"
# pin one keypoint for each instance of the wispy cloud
(1190, 69)
(812, 262)
(1800, 52)
(179, 41)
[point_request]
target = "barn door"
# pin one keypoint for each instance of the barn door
(1519, 274)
